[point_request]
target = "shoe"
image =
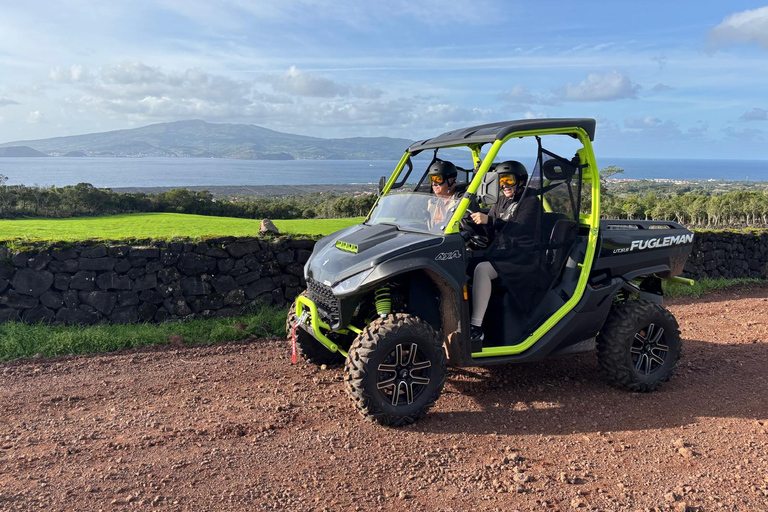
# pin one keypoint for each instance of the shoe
(476, 333)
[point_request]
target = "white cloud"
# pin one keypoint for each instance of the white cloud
(35, 117)
(641, 123)
(756, 114)
(518, 94)
(610, 86)
(747, 134)
(4, 102)
(661, 88)
(741, 27)
(301, 83)
(535, 115)
(74, 74)
(698, 131)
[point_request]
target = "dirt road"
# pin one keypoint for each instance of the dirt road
(237, 427)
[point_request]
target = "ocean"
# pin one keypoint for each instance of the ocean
(179, 172)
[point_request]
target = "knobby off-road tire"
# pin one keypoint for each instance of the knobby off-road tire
(395, 370)
(639, 346)
(307, 347)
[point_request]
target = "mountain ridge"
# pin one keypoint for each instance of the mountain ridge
(200, 139)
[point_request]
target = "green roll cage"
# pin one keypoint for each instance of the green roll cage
(590, 176)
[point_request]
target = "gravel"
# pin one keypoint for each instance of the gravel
(237, 427)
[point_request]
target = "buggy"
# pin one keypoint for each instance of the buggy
(391, 298)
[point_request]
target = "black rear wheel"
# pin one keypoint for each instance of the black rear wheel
(307, 347)
(639, 346)
(395, 370)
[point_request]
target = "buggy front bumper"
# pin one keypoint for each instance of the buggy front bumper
(314, 325)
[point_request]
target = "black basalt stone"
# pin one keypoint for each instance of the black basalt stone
(169, 275)
(217, 252)
(195, 286)
(263, 285)
(98, 251)
(235, 297)
(223, 283)
(146, 311)
(97, 263)
(75, 316)
(113, 281)
(240, 249)
(15, 300)
(122, 266)
(61, 281)
(145, 282)
(83, 280)
(32, 282)
(103, 302)
(52, 299)
(154, 266)
(40, 261)
(226, 265)
(20, 259)
(39, 314)
(9, 314)
(193, 264)
(151, 296)
(144, 252)
(70, 298)
(127, 298)
(63, 266)
(177, 306)
(125, 315)
(118, 251)
(248, 277)
(169, 257)
(64, 254)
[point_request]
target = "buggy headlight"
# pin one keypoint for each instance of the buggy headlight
(351, 283)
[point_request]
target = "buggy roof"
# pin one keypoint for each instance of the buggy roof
(497, 131)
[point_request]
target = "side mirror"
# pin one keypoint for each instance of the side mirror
(489, 188)
(382, 183)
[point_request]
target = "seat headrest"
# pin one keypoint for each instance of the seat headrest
(554, 169)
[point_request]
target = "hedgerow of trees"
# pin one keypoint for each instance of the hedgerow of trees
(84, 199)
(649, 201)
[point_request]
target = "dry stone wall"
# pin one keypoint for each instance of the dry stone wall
(95, 283)
(729, 255)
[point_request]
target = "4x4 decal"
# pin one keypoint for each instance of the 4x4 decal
(448, 255)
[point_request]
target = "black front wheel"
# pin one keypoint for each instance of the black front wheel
(395, 370)
(639, 346)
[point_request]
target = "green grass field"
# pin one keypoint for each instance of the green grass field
(158, 226)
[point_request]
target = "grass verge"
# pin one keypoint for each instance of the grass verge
(164, 226)
(704, 285)
(22, 340)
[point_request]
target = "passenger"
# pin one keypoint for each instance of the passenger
(509, 209)
(442, 178)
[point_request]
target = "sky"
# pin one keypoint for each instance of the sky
(663, 79)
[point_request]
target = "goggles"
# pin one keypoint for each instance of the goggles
(508, 180)
(436, 179)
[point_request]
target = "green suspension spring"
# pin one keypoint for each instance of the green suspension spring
(383, 301)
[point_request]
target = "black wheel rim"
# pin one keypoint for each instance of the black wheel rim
(404, 374)
(649, 350)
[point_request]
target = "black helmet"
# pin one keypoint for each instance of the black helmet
(443, 168)
(513, 167)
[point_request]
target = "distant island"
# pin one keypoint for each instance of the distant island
(20, 151)
(199, 139)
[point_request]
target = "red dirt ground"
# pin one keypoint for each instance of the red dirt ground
(237, 427)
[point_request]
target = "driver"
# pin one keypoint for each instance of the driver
(512, 208)
(442, 178)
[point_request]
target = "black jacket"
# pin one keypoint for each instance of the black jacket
(523, 216)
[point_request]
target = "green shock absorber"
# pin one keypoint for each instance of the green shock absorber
(383, 300)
